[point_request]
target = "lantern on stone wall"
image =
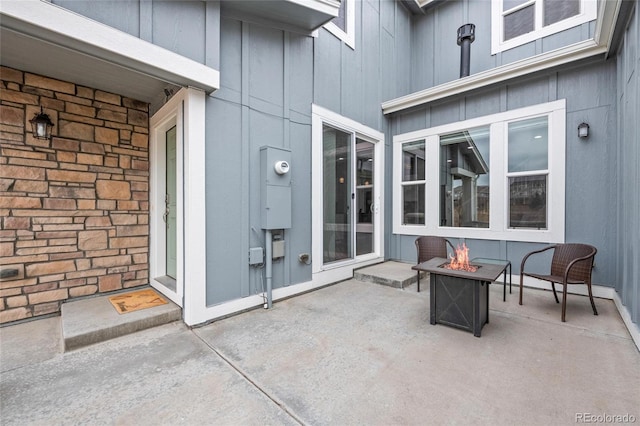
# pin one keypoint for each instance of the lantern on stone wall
(41, 125)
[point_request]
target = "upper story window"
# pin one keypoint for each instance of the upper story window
(516, 22)
(497, 177)
(343, 26)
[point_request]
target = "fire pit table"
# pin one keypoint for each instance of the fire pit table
(460, 298)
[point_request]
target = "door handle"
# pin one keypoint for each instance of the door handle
(167, 209)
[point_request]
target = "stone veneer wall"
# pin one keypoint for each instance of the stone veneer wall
(74, 210)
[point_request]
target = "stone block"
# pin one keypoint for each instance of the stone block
(72, 192)
(112, 116)
(22, 172)
(132, 103)
(73, 283)
(111, 261)
(85, 290)
(46, 308)
(138, 118)
(66, 157)
(6, 249)
(10, 74)
(65, 144)
(92, 148)
(125, 161)
(86, 204)
(131, 231)
(84, 92)
(92, 240)
(127, 242)
(139, 164)
(71, 176)
(108, 136)
(124, 219)
(91, 159)
(59, 204)
(16, 314)
(106, 205)
(16, 301)
(48, 296)
(49, 83)
(78, 109)
(18, 97)
(54, 104)
(128, 205)
(98, 222)
(48, 268)
(113, 190)
(20, 202)
(140, 140)
(110, 282)
(72, 129)
(31, 186)
(13, 222)
(12, 116)
(107, 97)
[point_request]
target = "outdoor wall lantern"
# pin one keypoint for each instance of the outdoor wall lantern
(583, 130)
(41, 125)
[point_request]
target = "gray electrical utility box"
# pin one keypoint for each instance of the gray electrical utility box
(275, 188)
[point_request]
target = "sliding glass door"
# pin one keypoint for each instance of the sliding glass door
(348, 195)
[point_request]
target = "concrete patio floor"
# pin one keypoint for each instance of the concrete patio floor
(350, 354)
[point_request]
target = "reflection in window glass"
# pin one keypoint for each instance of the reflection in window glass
(413, 205)
(337, 194)
(528, 202)
(413, 178)
(464, 178)
(413, 161)
(555, 11)
(528, 145)
(510, 4)
(519, 22)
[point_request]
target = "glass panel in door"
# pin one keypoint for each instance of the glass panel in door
(170, 203)
(364, 197)
(337, 195)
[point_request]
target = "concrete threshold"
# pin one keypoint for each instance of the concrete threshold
(392, 274)
(89, 321)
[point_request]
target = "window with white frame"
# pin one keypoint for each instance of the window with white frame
(343, 26)
(516, 22)
(496, 177)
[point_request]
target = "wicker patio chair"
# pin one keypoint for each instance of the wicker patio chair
(429, 247)
(571, 264)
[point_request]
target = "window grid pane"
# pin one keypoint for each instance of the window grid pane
(413, 161)
(520, 22)
(528, 202)
(464, 178)
(528, 147)
(413, 204)
(556, 11)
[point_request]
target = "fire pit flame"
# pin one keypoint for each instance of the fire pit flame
(460, 261)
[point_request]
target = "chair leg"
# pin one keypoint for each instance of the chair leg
(520, 302)
(553, 287)
(593, 305)
(564, 301)
(418, 281)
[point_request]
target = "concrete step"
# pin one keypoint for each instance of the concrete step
(94, 320)
(393, 274)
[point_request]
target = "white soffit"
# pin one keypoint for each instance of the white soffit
(607, 16)
(43, 38)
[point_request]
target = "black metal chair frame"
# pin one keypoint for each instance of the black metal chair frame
(571, 264)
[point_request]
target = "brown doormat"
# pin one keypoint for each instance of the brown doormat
(142, 299)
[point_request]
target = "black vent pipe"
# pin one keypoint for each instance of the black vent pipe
(466, 36)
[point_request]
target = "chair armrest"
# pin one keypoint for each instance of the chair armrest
(524, 259)
(576, 260)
